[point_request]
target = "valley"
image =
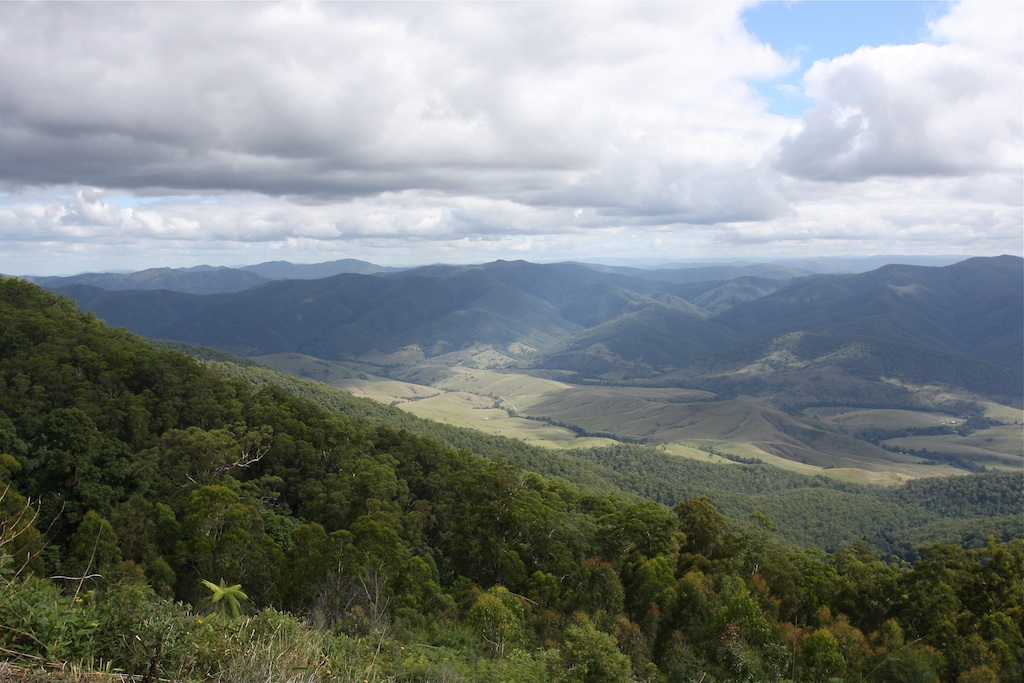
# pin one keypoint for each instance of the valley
(897, 373)
(354, 527)
(688, 346)
(461, 390)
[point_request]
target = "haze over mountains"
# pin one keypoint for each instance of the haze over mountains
(210, 279)
(660, 319)
(216, 279)
(764, 345)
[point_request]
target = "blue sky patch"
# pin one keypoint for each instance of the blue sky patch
(810, 30)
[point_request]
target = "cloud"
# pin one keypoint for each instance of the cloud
(177, 133)
(952, 107)
(326, 102)
(979, 215)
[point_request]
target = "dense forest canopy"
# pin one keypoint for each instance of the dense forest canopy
(175, 523)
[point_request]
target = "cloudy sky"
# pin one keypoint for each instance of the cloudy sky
(135, 135)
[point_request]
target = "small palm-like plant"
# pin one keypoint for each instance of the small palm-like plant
(226, 600)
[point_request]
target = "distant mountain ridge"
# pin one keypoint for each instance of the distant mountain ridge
(205, 279)
(284, 270)
(972, 308)
(615, 325)
(198, 280)
(210, 279)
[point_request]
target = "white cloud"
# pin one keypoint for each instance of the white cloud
(916, 216)
(410, 132)
(949, 108)
(337, 100)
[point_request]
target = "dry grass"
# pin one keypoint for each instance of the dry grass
(60, 673)
(471, 391)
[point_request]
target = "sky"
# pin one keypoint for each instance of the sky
(138, 135)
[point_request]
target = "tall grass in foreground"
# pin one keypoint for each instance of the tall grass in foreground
(125, 632)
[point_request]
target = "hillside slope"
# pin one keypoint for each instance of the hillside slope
(209, 279)
(364, 551)
(900, 337)
(972, 308)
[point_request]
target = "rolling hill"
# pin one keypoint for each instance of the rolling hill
(946, 339)
(210, 279)
(197, 280)
(972, 308)
(357, 535)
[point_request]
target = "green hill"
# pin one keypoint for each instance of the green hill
(942, 339)
(972, 308)
(161, 521)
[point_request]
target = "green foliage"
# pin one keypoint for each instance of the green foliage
(37, 621)
(93, 549)
(590, 656)
(140, 633)
(225, 600)
(988, 495)
(498, 618)
(20, 541)
(822, 657)
(372, 553)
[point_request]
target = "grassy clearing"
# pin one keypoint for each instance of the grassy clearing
(636, 412)
(1005, 414)
(517, 390)
(473, 390)
(386, 391)
(858, 476)
(890, 476)
(854, 420)
(463, 409)
(1000, 447)
(410, 355)
(693, 452)
(484, 356)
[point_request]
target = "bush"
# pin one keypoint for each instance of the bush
(37, 621)
(142, 634)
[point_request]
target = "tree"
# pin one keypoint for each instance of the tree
(704, 526)
(94, 548)
(821, 656)
(653, 582)
(596, 589)
(223, 535)
(72, 459)
(498, 617)
(312, 558)
(20, 542)
(226, 600)
(638, 532)
(591, 656)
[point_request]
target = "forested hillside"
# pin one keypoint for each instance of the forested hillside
(895, 521)
(209, 279)
(159, 519)
(959, 325)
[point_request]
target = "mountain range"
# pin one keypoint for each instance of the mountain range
(210, 279)
(218, 279)
(765, 359)
(371, 544)
(594, 322)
